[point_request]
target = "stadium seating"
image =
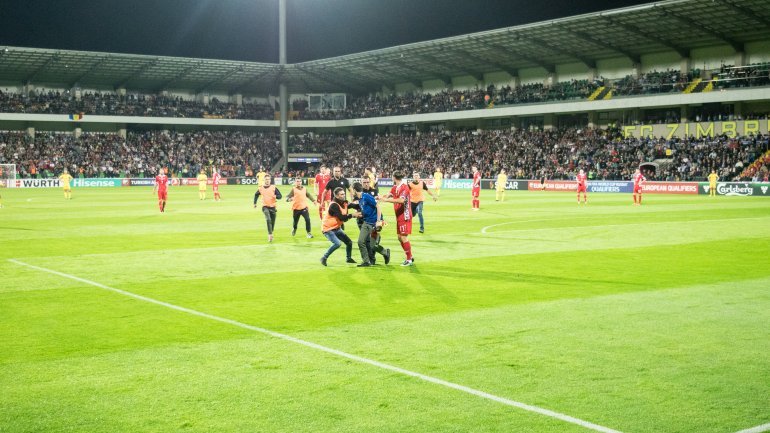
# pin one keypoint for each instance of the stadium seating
(557, 154)
(109, 103)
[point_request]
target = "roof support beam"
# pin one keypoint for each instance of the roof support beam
(683, 52)
(137, 73)
(382, 75)
(416, 83)
(590, 63)
(475, 58)
(737, 46)
(179, 76)
(53, 59)
(325, 77)
(451, 66)
(364, 80)
(747, 12)
(634, 57)
(516, 53)
(239, 88)
(219, 79)
(90, 70)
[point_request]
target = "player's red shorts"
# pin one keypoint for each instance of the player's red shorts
(403, 228)
(581, 188)
(475, 192)
(637, 190)
(215, 187)
(325, 196)
(162, 195)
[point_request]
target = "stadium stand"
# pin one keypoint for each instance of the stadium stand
(149, 105)
(499, 98)
(139, 155)
(110, 103)
(556, 154)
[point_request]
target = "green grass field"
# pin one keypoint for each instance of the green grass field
(633, 319)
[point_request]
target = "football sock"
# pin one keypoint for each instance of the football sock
(407, 246)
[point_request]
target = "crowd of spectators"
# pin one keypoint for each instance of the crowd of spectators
(140, 154)
(605, 154)
(653, 82)
(525, 154)
(456, 100)
(112, 104)
(753, 75)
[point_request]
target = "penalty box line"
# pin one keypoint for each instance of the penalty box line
(360, 359)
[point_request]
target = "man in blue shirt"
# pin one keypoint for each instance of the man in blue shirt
(371, 214)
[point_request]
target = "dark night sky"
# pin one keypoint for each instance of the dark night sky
(247, 29)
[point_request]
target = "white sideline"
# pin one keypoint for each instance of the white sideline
(482, 394)
(757, 429)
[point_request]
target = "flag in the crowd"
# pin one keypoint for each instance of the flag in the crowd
(78, 116)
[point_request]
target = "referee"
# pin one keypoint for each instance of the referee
(337, 181)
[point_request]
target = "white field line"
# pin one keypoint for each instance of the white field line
(484, 229)
(482, 394)
(757, 429)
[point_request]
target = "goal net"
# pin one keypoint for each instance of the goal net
(7, 175)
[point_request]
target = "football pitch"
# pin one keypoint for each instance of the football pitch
(531, 315)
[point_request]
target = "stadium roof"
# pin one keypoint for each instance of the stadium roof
(674, 26)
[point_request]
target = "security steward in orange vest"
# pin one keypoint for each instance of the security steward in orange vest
(270, 195)
(298, 198)
(331, 226)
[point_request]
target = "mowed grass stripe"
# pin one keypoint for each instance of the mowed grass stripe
(468, 310)
(322, 297)
(258, 384)
(690, 359)
(339, 353)
(299, 254)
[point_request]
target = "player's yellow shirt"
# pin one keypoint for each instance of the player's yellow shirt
(372, 179)
(202, 178)
(502, 179)
(66, 181)
(261, 178)
(438, 177)
(713, 178)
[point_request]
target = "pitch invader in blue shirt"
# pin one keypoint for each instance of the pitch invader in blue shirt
(371, 223)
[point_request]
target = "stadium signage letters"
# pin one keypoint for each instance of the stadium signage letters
(246, 181)
(552, 185)
(80, 183)
(141, 182)
(492, 184)
(700, 129)
(671, 187)
(38, 183)
(609, 186)
(194, 181)
(512, 184)
(739, 189)
(458, 183)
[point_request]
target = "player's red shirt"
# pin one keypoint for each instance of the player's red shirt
(215, 179)
(639, 180)
(403, 210)
(321, 180)
(581, 179)
(161, 181)
(476, 182)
